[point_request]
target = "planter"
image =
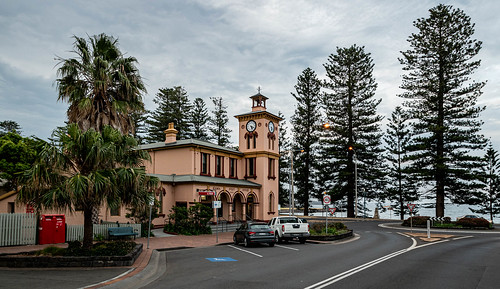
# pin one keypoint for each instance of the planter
(330, 237)
(21, 260)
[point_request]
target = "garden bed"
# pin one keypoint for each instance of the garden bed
(29, 260)
(331, 237)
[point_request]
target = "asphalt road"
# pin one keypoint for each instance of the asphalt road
(379, 258)
(376, 258)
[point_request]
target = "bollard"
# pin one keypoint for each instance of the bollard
(428, 229)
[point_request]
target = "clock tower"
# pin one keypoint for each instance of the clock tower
(259, 142)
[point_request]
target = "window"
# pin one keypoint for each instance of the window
(219, 166)
(205, 164)
(114, 211)
(251, 168)
(11, 207)
(248, 141)
(271, 169)
(232, 168)
(271, 203)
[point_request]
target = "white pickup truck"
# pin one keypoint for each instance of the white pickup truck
(288, 228)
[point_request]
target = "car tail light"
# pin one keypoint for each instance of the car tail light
(283, 228)
(251, 233)
(308, 227)
(271, 232)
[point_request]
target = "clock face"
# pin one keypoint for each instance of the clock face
(271, 126)
(251, 125)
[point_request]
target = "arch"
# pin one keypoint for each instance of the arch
(238, 208)
(226, 202)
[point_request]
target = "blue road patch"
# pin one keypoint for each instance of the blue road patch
(221, 259)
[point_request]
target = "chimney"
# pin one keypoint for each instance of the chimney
(170, 133)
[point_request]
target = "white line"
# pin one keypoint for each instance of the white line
(109, 280)
(464, 237)
(245, 251)
(362, 267)
(289, 248)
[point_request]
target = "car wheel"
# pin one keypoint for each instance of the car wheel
(302, 240)
(271, 244)
(246, 243)
(277, 238)
(234, 240)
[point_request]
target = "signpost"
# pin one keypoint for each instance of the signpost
(327, 200)
(217, 205)
(411, 207)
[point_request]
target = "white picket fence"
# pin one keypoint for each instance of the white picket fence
(18, 229)
(75, 232)
(21, 229)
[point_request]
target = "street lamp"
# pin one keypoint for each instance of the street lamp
(355, 182)
(291, 197)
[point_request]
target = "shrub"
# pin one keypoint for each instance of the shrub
(416, 221)
(114, 248)
(473, 223)
(192, 221)
(335, 228)
(51, 251)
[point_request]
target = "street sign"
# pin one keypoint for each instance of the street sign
(217, 204)
(327, 200)
(411, 207)
(332, 210)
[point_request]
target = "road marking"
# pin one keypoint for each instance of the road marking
(109, 280)
(246, 251)
(221, 259)
(338, 277)
(463, 237)
(289, 248)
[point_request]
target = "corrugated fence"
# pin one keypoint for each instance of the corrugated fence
(21, 229)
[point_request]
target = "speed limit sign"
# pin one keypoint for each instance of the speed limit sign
(327, 200)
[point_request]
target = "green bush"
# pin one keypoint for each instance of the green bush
(51, 251)
(416, 221)
(192, 221)
(473, 223)
(113, 248)
(335, 228)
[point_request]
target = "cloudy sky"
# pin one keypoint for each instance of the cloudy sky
(222, 48)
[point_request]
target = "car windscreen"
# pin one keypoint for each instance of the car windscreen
(288, 220)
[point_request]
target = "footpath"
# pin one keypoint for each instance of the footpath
(161, 241)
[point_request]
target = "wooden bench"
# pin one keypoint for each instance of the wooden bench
(121, 232)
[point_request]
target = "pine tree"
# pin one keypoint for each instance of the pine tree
(199, 119)
(441, 100)
(489, 197)
(284, 163)
(139, 123)
(305, 123)
(173, 106)
(402, 187)
(351, 155)
(219, 121)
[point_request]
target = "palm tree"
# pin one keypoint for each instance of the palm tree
(101, 85)
(86, 169)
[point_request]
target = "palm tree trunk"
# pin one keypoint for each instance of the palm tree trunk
(88, 228)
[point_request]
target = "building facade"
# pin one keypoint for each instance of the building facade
(192, 171)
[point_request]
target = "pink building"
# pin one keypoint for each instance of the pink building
(195, 171)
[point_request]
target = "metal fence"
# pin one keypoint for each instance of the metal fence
(21, 229)
(18, 229)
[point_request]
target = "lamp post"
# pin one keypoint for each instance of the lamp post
(355, 181)
(291, 196)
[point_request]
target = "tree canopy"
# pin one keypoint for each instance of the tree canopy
(441, 100)
(85, 170)
(101, 85)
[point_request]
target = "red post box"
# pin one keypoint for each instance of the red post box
(52, 229)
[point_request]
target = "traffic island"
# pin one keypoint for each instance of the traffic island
(326, 238)
(29, 260)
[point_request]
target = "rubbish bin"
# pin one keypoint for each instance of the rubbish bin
(52, 229)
